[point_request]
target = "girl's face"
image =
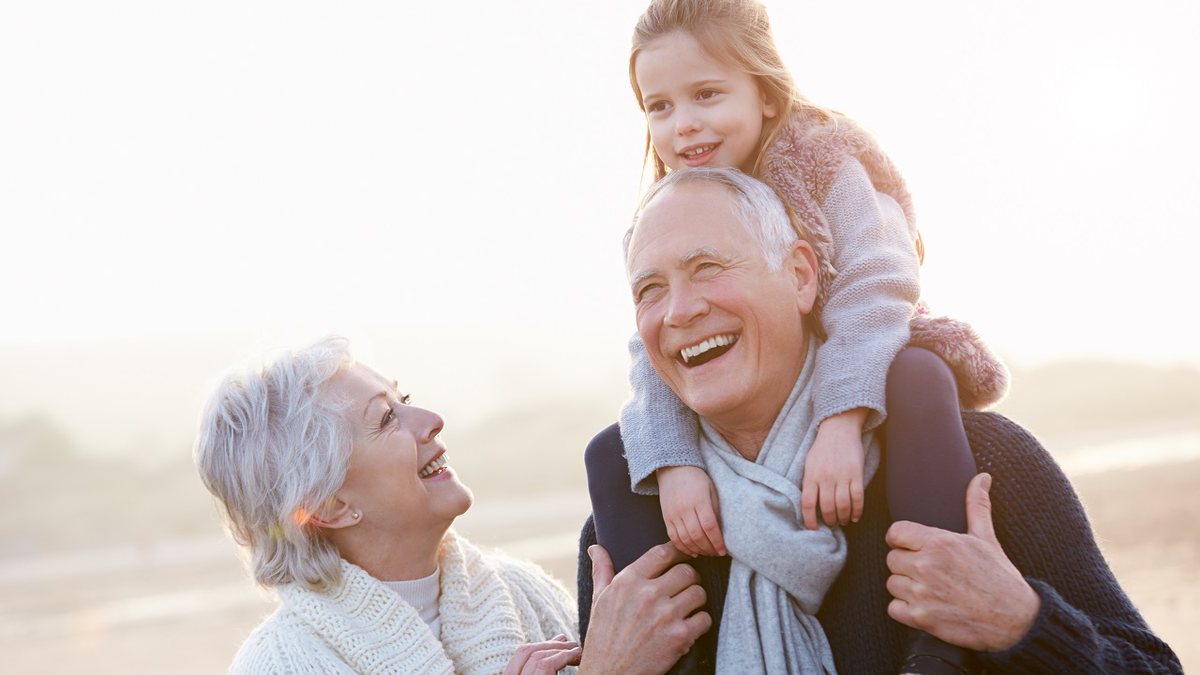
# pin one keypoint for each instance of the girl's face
(700, 112)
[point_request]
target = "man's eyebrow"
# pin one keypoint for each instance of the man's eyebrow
(702, 253)
(633, 283)
(382, 394)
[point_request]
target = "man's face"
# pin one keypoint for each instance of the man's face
(723, 330)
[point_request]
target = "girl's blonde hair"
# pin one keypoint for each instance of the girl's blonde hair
(737, 33)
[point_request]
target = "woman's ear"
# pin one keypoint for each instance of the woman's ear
(802, 261)
(336, 514)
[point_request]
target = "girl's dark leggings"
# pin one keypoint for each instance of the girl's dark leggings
(929, 463)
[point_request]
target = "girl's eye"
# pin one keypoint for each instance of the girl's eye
(656, 107)
(705, 94)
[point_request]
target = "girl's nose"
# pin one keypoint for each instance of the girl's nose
(686, 122)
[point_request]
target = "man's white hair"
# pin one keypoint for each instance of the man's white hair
(756, 206)
(274, 447)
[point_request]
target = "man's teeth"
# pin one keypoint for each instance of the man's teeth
(698, 151)
(433, 467)
(689, 353)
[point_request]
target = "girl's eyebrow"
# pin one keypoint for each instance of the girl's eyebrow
(647, 98)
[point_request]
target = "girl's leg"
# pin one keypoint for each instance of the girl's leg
(929, 461)
(627, 524)
(929, 464)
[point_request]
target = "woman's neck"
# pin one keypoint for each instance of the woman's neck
(391, 556)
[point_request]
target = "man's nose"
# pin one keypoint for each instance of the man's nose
(684, 305)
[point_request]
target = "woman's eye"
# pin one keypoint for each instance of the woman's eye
(406, 399)
(387, 418)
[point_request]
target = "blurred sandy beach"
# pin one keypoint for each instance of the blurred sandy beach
(183, 604)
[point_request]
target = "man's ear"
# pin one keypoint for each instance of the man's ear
(336, 514)
(802, 262)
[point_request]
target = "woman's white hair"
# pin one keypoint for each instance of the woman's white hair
(273, 448)
(755, 204)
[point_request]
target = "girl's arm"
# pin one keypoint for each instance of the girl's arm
(870, 300)
(657, 429)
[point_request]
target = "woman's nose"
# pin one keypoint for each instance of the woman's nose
(426, 424)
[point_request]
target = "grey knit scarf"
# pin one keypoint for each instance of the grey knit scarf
(780, 571)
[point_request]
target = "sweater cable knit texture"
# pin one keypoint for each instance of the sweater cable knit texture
(489, 605)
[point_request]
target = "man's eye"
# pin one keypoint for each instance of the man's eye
(646, 292)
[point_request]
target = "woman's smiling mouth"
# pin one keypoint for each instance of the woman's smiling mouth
(435, 466)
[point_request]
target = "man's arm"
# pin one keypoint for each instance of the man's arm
(1083, 621)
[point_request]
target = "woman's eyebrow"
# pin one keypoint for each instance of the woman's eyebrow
(383, 394)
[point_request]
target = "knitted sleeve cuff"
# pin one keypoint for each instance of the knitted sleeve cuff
(1061, 640)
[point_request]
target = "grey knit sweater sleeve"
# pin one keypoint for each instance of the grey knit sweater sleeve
(871, 298)
(657, 429)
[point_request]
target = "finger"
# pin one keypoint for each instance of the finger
(901, 611)
(842, 495)
(695, 535)
(673, 535)
(901, 587)
(808, 504)
(547, 661)
(689, 600)
(602, 570)
(856, 499)
(828, 499)
(712, 528)
(654, 562)
(677, 579)
(979, 508)
(907, 535)
(902, 561)
(700, 535)
(697, 624)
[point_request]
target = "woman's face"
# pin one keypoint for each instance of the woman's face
(398, 479)
(700, 112)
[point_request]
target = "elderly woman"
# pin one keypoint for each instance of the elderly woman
(341, 492)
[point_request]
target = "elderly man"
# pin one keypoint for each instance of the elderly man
(1032, 594)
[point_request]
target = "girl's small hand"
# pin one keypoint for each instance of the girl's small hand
(833, 471)
(689, 504)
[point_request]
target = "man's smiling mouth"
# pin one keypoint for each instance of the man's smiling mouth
(707, 350)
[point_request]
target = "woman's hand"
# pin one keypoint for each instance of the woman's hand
(544, 658)
(689, 505)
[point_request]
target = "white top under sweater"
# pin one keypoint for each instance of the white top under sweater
(489, 605)
(422, 594)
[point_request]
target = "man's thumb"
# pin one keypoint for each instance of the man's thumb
(979, 507)
(602, 570)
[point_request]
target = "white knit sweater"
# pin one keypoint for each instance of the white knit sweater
(489, 605)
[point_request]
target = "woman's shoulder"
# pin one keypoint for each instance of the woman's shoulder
(280, 644)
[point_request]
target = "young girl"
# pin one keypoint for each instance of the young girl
(715, 93)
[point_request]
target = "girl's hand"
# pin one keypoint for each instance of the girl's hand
(833, 471)
(690, 507)
(544, 658)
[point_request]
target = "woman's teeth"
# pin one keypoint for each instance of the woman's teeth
(689, 353)
(435, 466)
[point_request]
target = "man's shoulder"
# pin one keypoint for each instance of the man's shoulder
(1001, 446)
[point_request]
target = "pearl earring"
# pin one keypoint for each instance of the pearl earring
(356, 515)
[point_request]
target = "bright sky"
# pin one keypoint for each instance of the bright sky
(462, 172)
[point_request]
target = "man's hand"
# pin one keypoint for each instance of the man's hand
(642, 619)
(544, 658)
(833, 471)
(961, 588)
(689, 505)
